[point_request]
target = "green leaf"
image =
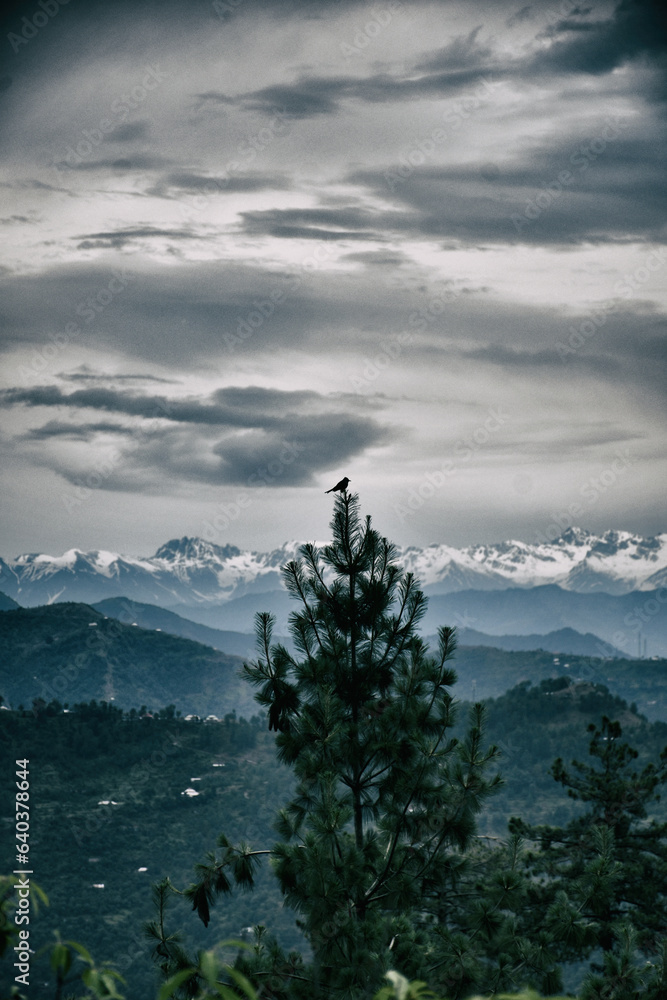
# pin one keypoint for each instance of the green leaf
(243, 982)
(174, 982)
(208, 966)
(61, 958)
(83, 952)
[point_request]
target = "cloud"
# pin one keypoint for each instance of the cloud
(523, 14)
(300, 433)
(129, 132)
(196, 314)
(453, 68)
(118, 165)
(176, 182)
(17, 220)
(378, 258)
(577, 45)
(123, 237)
(636, 27)
(84, 374)
(75, 432)
(344, 223)
(598, 184)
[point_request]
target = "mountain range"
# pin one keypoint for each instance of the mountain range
(193, 572)
(609, 588)
(149, 616)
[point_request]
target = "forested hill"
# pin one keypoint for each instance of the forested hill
(134, 799)
(484, 672)
(73, 653)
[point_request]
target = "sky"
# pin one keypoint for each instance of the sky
(248, 248)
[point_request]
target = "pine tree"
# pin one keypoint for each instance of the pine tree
(601, 881)
(386, 799)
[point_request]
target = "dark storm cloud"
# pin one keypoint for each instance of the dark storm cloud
(313, 96)
(455, 67)
(636, 27)
(321, 442)
(17, 220)
(150, 407)
(521, 15)
(457, 54)
(378, 258)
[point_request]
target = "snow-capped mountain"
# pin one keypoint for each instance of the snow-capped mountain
(194, 572)
(614, 563)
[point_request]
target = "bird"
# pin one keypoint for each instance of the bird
(342, 486)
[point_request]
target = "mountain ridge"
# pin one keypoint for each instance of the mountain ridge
(192, 571)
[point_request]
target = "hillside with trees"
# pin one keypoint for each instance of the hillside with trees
(356, 827)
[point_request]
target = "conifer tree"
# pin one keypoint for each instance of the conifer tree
(601, 881)
(386, 799)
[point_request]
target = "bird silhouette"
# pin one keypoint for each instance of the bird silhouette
(342, 486)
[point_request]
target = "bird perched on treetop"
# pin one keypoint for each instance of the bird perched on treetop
(342, 486)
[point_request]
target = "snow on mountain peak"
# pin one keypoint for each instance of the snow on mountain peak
(194, 550)
(192, 570)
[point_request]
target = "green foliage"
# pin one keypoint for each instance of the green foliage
(486, 673)
(389, 853)
(602, 878)
(386, 798)
(534, 724)
(84, 761)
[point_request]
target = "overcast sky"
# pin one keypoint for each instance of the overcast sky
(251, 247)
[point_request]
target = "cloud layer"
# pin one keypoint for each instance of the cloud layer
(253, 247)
